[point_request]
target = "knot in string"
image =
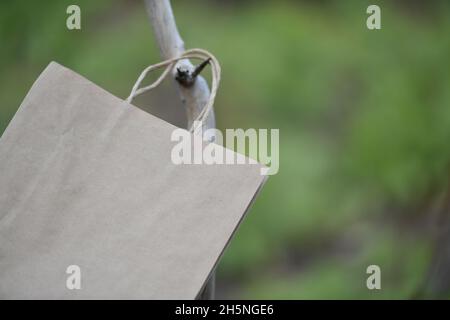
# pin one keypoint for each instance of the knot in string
(168, 65)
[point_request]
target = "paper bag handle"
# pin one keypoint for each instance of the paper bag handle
(169, 64)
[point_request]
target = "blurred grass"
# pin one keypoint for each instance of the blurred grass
(364, 123)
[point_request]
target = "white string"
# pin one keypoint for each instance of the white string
(169, 64)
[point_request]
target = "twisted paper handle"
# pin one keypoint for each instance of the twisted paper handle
(169, 64)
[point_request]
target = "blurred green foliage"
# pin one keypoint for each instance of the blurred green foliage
(364, 119)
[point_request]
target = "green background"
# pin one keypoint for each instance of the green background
(364, 119)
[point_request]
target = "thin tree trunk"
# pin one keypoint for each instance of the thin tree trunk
(194, 97)
(437, 281)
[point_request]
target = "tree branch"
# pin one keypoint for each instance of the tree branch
(193, 88)
(194, 93)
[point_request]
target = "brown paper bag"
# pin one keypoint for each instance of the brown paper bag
(86, 179)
